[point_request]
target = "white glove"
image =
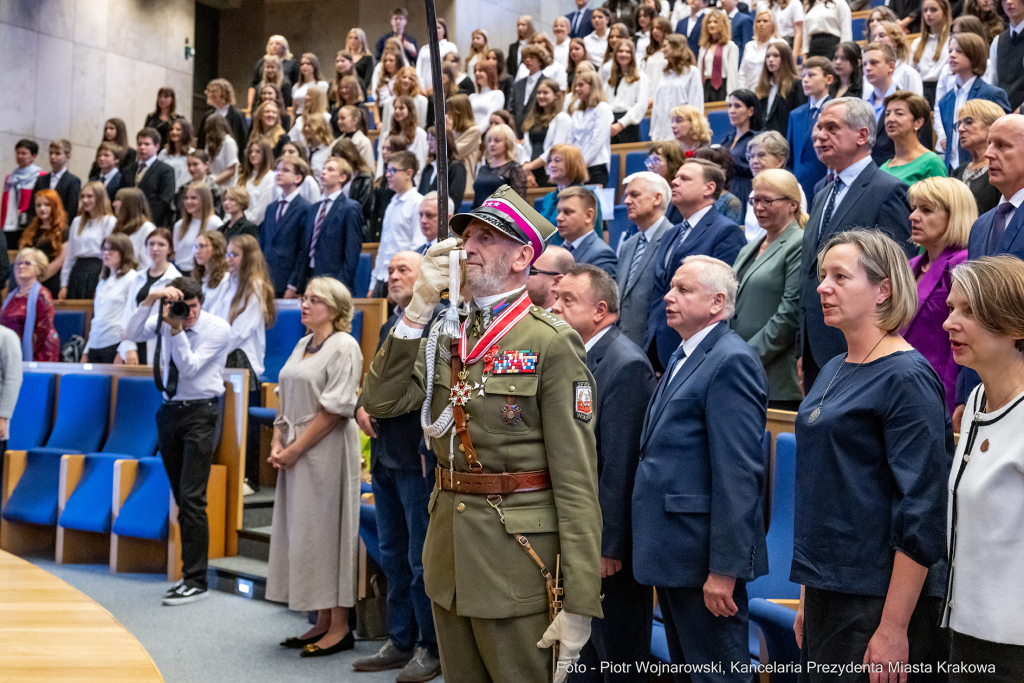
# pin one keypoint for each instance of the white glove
(432, 281)
(571, 631)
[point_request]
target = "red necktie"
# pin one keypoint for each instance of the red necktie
(716, 68)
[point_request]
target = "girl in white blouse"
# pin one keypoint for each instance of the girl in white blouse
(548, 123)
(197, 216)
(212, 270)
(616, 34)
(487, 99)
(930, 51)
(319, 138)
(382, 84)
(628, 91)
(653, 58)
(316, 107)
(309, 77)
(406, 83)
(81, 270)
(404, 122)
(249, 306)
(718, 61)
(175, 152)
(591, 126)
(116, 281)
(259, 178)
(826, 24)
(222, 150)
(133, 222)
(159, 247)
(681, 84)
(444, 46)
(904, 77)
(789, 20)
(755, 50)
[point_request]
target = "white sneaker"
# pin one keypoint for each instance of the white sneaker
(170, 591)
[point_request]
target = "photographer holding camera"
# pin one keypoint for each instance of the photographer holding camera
(188, 366)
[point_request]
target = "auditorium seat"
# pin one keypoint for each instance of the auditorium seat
(617, 227)
(537, 203)
(368, 526)
(363, 272)
(720, 126)
(614, 167)
(281, 341)
(145, 512)
(635, 162)
(83, 405)
(857, 27)
(69, 323)
(645, 130)
(776, 624)
(33, 413)
(776, 584)
(467, 206)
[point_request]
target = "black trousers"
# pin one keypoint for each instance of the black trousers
(838, 627)
(104, 355)
(188, 435)
(697, 637)
(598, 175)
(623, 637)
(1008, 660)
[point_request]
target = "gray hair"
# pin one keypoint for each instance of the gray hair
(451, 204)
(655, 183)
(859, 114)
(602, 286)
(717, 276)
(772, 143)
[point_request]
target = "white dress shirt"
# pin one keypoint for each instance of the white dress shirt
(953, 145)
(674, 90)
(947, 81)
(138, 240)
(179, 162)
(107, 309)
(691, 23)
(131, 306)
(88, 244)
(199, 353)
(907, 78)
(592, 342)
(596, 46)
(55, 177)
(295, 132)
(849, 175)
(559, 133)
(400, 232)
(591, 133)
(993, 57)
(260, 196)
(561, 53)
(630, 98)
(730, 64)
(248, 330)
(227, 157)
(531, 82)
(654, 67)
(1016, 200)
(423, 72)
(217, 299)
(929, 67)
(786, 18)
(299, 93)
(642, 41)
(183, 255)
(690, 345)
(753, 62)
(485, 103)
(832, 17)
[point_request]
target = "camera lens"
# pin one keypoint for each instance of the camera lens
(179, 310)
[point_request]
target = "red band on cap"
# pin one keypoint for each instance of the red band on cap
(519, 219)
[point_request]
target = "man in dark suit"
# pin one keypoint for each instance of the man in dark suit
(646, 198)
(803, 162)
(523, 91)
(577, 208)
(220, 95)
(333, 238)
(698, 525)
(697, 186)
(399, 18)
(524, 31)
(108, 158)
(154, 177)
(861, 196)
(1001, 230)
(690, 26)
(60, 180)
(579, 21)
(284, 224)
(403, 477)
(742, 24)
(623, 383)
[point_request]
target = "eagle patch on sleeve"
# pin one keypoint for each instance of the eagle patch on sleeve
(583, 395)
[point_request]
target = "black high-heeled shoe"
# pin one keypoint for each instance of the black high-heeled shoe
(299, 643)
(346, 643)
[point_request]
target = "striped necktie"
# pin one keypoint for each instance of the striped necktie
(316, 229)
(634, 266)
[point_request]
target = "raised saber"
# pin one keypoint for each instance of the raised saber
(440, 126)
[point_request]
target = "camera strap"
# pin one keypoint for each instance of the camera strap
(172, 372)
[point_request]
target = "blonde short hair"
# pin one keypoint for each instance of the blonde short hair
(987, 111)
(953, 197)
(338, 299)
(882, 259)
(37, 257)
(994, 289)
(505, 133)
(700, 129)
(240, 194)
(786, 184)
(773, 143)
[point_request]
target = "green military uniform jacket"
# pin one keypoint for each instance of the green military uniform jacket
(468, 551)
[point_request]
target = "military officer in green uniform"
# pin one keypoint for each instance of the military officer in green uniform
(515, 502)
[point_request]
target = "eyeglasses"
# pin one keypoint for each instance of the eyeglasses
(311, 300)
(756, 155)
(966, 122)
(535, 271)
(198, 247)
(107, 250)
(23, 263)
(764, 201)
(392, 170)
(652, 162)
(231, 254)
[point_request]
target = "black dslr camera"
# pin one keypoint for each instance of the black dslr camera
(179, 311)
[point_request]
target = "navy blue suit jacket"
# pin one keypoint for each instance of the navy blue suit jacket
(594, 251)
(337, 247)
(693, 39)
(624, 381)
(714, 235)
(977, 245)
(980, 90)
(281, 244)
(875, 200)
(697, 499)
(586, 27)
(742, 30)
(803, 162)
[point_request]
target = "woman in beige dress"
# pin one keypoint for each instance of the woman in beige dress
(315, 532)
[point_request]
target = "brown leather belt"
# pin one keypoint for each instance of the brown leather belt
(500, 484)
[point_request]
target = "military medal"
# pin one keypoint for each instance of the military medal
(461, 391)
(511, 414)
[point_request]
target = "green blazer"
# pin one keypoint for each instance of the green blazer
(767, 308)
(468, 551)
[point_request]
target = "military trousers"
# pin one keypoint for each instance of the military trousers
(475, 650)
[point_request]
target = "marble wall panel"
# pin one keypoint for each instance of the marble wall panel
(88, 96)
(56, 17)
(91, 22)
(18, 82)
(54, 76)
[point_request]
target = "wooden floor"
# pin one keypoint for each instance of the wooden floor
(51, 632)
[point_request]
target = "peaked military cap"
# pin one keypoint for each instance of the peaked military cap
(510, 214)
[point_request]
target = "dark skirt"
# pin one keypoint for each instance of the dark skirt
(85, 275)
(104, 355)
(140, 348)
(713, 94)
(598, 175)
(822, 45)
(541, 176)
(628, 134)
(238, 360)
(929, 92)
(1007, 659)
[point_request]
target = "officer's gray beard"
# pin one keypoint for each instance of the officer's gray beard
(493, 278)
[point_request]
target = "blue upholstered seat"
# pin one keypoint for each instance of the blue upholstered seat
(776, 584)
(89, 507)
(363, 273)
(614, 166)
(281, 341)
(720, 126)
(33, 413)
(635, 162)
(146, 510)
(368, 525)
(645, 130)
(69, 323)
(617, 227)
(776, 623)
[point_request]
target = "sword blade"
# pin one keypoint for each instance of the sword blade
(440, 129)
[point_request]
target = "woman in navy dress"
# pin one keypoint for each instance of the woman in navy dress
(876, 446)
(744, 115)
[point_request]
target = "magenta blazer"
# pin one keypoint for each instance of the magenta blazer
(924, 331)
